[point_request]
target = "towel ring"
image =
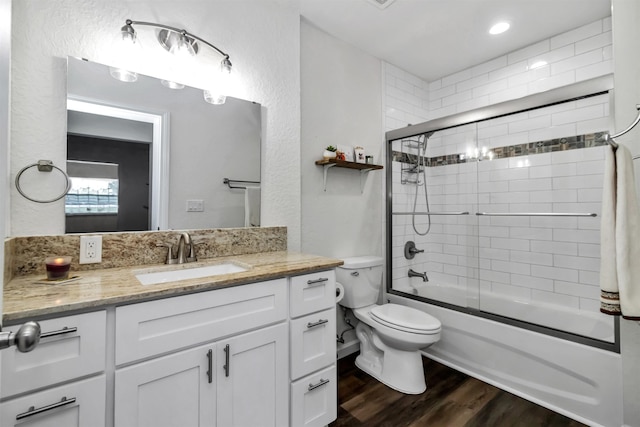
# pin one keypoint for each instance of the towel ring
(43, 166)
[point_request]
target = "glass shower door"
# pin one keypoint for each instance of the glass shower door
(539, 207)
(434, 234)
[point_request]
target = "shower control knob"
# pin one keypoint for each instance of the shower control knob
(410, 250)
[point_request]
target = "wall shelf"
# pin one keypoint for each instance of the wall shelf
(364, 168)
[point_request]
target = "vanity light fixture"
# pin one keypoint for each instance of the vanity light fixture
(184, 45)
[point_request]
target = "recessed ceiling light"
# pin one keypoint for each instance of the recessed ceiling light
(499, 28)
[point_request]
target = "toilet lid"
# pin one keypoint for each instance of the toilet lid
(405, 318)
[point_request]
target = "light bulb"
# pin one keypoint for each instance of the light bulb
(123, 75)
(182, 48)
(213, 97)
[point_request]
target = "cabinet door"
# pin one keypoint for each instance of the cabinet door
(81, 404)
(313, 342)
(253, 379)
(172, 391)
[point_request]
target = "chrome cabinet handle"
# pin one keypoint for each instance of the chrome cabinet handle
(65, 330)
(210, 371)
(227, 365)
(320, 384)
(318, 323)
(33, 410)
(317, 281)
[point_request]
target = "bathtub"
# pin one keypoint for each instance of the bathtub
(593, 325)
(580, 381)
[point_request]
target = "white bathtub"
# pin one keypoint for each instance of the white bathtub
(588, 324)
(579, 381)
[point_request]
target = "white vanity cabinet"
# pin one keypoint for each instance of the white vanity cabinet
(71, 351)
(238, 377)
(313, 349)
(260, 354)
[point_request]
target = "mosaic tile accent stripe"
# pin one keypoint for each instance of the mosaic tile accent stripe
(557, 144)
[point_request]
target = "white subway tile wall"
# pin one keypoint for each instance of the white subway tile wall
(577, 55)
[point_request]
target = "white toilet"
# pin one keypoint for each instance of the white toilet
(390, 335)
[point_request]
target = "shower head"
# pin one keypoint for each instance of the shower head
(427, 135)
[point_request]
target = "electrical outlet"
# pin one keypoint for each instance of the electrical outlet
(90, 249)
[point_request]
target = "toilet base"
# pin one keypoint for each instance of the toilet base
(398, 369)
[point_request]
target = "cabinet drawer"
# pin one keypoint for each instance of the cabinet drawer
(58, 358)
(314, 399)
(312, 292)
(157, 327)
(81, 403)
(313, 342)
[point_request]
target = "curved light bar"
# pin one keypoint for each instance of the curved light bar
(179, 40)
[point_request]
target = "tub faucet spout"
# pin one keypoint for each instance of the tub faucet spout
(416, 274)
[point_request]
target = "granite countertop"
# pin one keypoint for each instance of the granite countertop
(24, 299)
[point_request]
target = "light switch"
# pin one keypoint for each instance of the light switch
(195, 205)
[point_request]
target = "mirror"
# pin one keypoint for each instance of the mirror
(143, 156)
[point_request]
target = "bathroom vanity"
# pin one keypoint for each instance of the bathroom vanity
(255, 347)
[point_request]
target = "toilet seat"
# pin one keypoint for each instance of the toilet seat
(405, 319)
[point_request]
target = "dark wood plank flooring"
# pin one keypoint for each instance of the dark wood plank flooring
(452, 399)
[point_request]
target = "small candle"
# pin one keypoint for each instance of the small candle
(58, 267)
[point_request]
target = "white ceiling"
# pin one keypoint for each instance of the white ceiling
(435, 38)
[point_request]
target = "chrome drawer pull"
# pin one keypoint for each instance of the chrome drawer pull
(320, 384)
(227, 365)
(318, 323)
(317, 281)
(33, 411)
(65, 330)
(210, 371)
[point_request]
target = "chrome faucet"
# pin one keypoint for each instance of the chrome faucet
(186, 249)
(416, 274)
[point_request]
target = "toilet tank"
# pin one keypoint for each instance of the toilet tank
(361, 278)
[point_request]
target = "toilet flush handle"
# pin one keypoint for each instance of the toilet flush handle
(355, 273)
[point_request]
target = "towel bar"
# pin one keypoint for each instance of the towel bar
(430, 213)
(535, 214)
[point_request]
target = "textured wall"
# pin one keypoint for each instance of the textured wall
(5, 50)
(341, 105)
(261, 36)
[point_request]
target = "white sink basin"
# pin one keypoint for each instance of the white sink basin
(184, 273)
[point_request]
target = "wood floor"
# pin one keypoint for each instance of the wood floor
(452, 399)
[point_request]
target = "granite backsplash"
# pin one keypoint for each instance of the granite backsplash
(25, 255)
